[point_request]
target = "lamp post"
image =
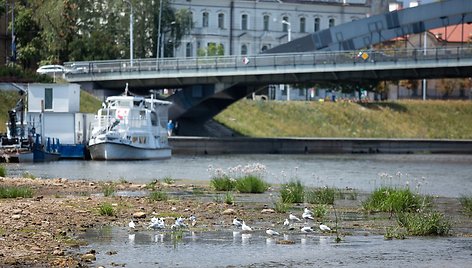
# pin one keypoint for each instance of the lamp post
(159, 30)
(289, 38)
(130, 33)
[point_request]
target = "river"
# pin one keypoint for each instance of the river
(436, 174)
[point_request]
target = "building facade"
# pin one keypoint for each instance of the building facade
(247, 27)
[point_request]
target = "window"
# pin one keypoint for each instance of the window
(302, 25)
(221, 21)
(188, 50)
(331, 22)
(285, 25)
(244, 22)
(243, 50)
(48, 99)
(205, 19)
(266, 22)
(317, 24)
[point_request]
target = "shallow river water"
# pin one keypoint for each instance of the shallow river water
(443, 175)
(230, 248)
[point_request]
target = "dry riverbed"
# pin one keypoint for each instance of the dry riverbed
(42, 230)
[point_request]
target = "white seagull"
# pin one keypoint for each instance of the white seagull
(307, 211)
(237, 222)
(286, 222)
(293, 217)
(193, 220)
(271, 232)
(324, 228)
(307, 216)
(306, 229)
(131, 224)
(244, 227)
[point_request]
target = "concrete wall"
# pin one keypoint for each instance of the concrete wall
(66, 97)
(201, 145)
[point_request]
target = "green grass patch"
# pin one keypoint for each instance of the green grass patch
(325, 195)
(281, 207)
(168, 180)
(393, 200)
(15, 191)
(106, 209)
(223, 183)
(292, 192)
(466, 202)
(424, 223)
(3, 171)
(28, 175)
(229, 198)
(108, 190)
(320, 211)
(251, 184)
(158, 196)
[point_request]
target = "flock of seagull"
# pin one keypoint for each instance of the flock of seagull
(159, 223)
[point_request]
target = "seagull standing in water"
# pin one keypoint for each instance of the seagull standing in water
(293, 217)
(306, 229)
(193, 220)
(237, 222)
(244, 227)
(307, 216)
(324, 228)
(271, 232)
(286, 223)
(131, 224)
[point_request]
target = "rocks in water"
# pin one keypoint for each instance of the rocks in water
(267, 210)
(139, 215)
(88, 257)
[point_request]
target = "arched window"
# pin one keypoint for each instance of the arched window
(205, 19)
(189, 50)
(331, 22)
(266, 22)
(243, 50)
(244, 23)
(221, 21)
(317, 24)
(285, 25)
(302, 24)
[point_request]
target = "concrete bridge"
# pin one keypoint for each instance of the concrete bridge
(208, 85)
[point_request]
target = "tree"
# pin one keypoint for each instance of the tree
(412, 85)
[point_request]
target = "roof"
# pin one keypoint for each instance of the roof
(453, 33)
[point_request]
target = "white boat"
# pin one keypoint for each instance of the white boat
(130, 128)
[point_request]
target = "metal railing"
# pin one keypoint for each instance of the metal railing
(77, 69)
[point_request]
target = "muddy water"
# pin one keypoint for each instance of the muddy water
(117, 246)
(443, 175)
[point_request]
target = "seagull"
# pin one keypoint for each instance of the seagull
(307, 211)
(271, 232)
(286, 223)
(306, 229)
(244, 227)
(193, 219)
(157, 223)
(237, 222)
(324, 228)
(131, 224)
(293, 217)
(307, 216)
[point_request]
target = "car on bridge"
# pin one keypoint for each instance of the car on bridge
(51, 69)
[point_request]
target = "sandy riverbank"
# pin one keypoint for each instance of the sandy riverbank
(42, 230)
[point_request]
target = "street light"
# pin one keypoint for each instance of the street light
(289, 30)
(130, 33)
(159, 30)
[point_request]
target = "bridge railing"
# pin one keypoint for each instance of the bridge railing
(274, 61)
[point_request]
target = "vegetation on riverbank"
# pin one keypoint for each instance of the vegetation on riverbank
(432, 119)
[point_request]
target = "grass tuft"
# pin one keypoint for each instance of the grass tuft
(158, 196)
(229, 198)
(106, 209)
(251, 184)
(223, 183)
(292, 192)
(108, 190)
(323, 195)
(466, 202)
(424, 223)
(15, 191)
(393, 200)
(281, 207)
(3, 171)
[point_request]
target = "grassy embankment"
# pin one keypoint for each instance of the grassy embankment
(8, 99)
(434, 119)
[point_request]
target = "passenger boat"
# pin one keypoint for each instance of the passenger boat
(130, 128)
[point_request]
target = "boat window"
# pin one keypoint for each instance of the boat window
(154, 118)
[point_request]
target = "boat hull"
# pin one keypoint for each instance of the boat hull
(118, 151)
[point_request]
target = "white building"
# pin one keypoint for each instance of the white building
(245, 27)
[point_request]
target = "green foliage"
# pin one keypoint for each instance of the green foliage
(158, 196)
(89, 103)
(393, 200)
(466, 202)
(3, 171)
(15, 191)
(394, 232)
(223, 183)
(28, 175)
(320, 211)
(229, 198)
(292, 192)
(168, 180)
(106, 209)
(281, 206)
(108, 189)
(251, 184)
(323, 195)
(424, 223)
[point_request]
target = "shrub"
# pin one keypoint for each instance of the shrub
(393, 200)
(158, 196)
(223, 183)
(425, 223)
(466, 203)
(292, 192)
(251, 184)
(3, 171)
(106, 209)
(15, 191)
(321, 196)
(108, 190)
(229, 198)
(320, 211)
